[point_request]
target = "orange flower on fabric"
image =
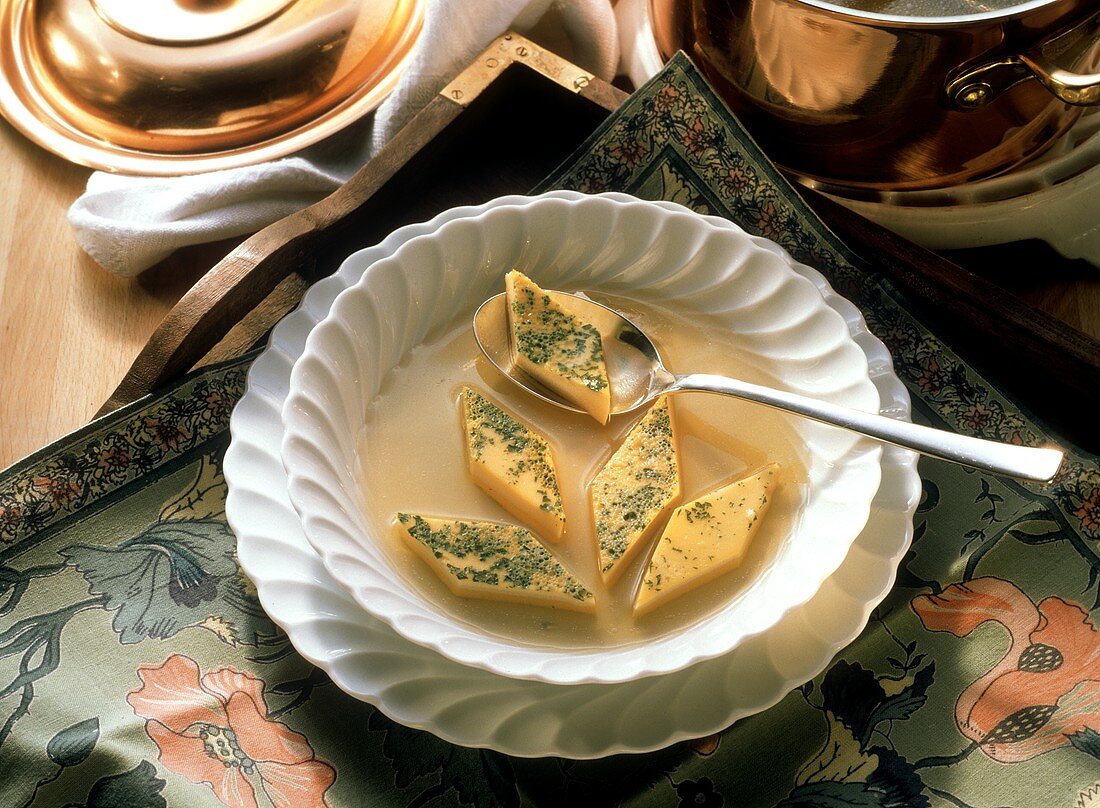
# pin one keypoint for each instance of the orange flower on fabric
(59, 490)
(977, 416)
(165, 434)
(704, 747)
(214, 730)
(1045, 689)
(933, 378)
(1089, 513)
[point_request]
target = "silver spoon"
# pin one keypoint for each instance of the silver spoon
(638, 376)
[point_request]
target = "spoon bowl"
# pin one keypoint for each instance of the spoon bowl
(637, 376)
(634, 368)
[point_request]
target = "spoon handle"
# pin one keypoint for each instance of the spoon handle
(1000, 458)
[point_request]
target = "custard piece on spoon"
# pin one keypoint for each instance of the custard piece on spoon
(555, 347)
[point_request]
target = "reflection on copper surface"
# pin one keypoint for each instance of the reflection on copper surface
(858, 104)
(186, 21)
(846, 61)
(172, 86)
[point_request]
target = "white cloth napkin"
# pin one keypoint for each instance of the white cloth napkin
(129, 223)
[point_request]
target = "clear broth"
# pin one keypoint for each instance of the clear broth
(412, 458)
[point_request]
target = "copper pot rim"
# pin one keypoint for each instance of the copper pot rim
(21, 106)
(911, 22)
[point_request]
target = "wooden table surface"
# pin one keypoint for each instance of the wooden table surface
(69, 329)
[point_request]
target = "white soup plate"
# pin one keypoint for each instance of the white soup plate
(471, 707)
(664, 254)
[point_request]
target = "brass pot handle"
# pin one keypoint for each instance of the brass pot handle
(974, 87)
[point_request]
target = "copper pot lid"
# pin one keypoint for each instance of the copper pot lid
(930, 11)
(169, 87)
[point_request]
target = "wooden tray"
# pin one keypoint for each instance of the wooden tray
(498, 128)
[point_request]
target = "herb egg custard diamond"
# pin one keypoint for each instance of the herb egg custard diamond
(491, 560)
(637, 485)
(705, 538)
(513, 464)
(555, 347)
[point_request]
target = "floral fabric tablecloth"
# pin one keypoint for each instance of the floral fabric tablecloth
(138, 670)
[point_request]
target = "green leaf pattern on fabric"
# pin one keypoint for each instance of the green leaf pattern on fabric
(137, 788)
(72, 746)
(1087, 740)
(480, 777)
(176, 574)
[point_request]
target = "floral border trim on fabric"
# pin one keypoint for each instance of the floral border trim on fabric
(38, 493)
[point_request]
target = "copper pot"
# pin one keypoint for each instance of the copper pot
(863, 102)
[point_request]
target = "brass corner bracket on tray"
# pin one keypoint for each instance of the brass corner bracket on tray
(506, 51)
(237, 301)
